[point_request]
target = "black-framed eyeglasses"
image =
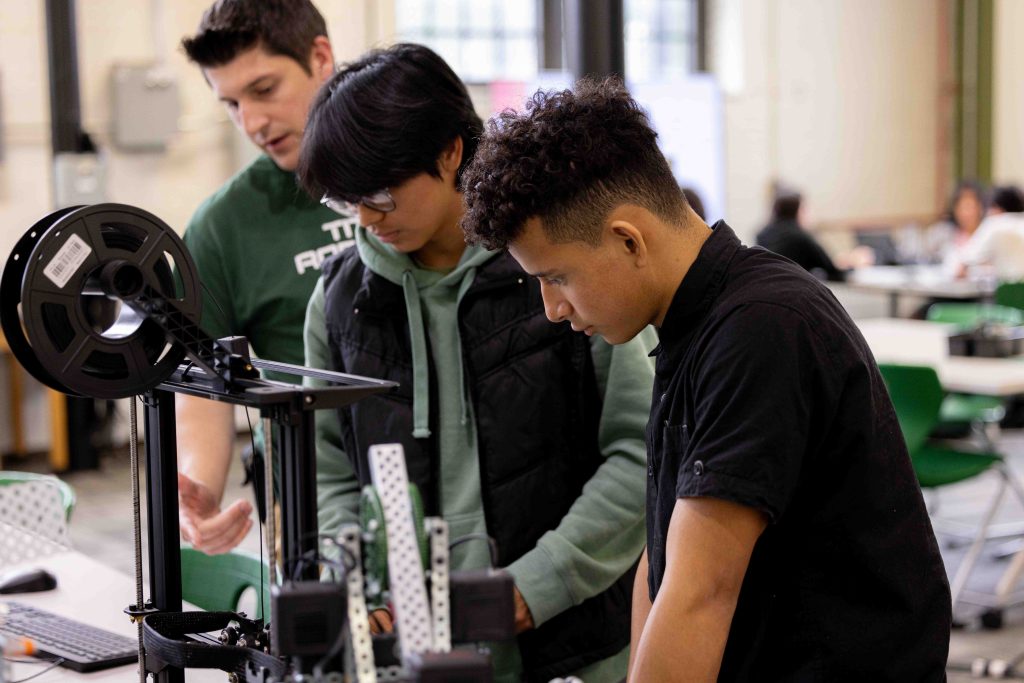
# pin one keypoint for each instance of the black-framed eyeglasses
(381, 201)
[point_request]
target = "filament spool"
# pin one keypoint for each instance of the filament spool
(60, 323)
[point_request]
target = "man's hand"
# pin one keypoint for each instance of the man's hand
(524, 619)
(202, 522)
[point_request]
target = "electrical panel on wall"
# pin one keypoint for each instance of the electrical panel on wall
(144, 108)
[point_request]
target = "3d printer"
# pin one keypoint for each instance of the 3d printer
(104, 301)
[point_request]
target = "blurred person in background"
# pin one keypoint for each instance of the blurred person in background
(1006, 199)
(944, 239)
(786, 236)
(996, 248)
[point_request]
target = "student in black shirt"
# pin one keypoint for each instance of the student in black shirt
(787, 536)
(786, 237)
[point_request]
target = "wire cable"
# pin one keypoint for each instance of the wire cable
(266, 510)
(53, 665)
(491, 545)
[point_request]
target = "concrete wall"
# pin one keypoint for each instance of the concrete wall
(1008, 93)
(836, 97)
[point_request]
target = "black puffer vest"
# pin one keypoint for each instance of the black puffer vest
(537, 409)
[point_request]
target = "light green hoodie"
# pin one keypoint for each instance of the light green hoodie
(603, 532)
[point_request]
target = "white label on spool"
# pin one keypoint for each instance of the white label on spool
(68, 259)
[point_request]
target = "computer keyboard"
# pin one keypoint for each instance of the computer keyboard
(82, 647)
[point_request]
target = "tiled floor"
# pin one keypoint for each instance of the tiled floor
(102, 528)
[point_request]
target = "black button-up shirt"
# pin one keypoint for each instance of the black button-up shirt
(767, 395)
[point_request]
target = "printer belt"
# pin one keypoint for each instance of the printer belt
(163, 637)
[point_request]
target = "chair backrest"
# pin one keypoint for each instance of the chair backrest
(969, 315)
(916, 395)
(67, 494)
(216, 582)
(1010, 294)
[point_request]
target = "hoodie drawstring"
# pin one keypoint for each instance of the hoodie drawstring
(467, 280)
(420, 366)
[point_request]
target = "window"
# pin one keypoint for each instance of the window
(482, 40)
(662, 39)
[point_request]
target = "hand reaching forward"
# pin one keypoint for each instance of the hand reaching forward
(204, 524)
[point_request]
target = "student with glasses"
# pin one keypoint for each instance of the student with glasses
(513, 426)
(381, 201)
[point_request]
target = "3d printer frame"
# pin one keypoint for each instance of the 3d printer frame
(291, 409)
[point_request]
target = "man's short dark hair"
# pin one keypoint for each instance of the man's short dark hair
(786, 206)
(230, 27)
(569, 159)
(1008, 198)
(383, 119)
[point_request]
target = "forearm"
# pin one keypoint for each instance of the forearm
(596, 542)
(707, 551)
(683, 641)
(602, 534)
(641, 609)
(205, 431)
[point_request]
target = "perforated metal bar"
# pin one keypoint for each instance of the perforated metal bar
(358, 619)
(409, 595)
(437, 531)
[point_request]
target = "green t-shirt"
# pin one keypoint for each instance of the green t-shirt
(258, 244)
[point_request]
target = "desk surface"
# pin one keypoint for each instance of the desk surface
(919, 280)
(94, 594)
(918, 342)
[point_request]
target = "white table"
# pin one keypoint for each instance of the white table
(94, 594)
(921, 281)
(919, 342)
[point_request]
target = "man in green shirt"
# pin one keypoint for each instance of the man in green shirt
(513, 427)
(258, 242)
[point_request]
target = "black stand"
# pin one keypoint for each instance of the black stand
(162, 513)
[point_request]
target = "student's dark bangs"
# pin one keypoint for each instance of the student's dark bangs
(350, 149)
(383, 120)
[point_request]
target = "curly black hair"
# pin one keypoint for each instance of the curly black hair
(569, 159)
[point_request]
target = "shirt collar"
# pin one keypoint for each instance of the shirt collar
(702, 281)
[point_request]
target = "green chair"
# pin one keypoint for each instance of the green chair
(1010, 294)
(917, 397)
(972, 411)
(216, 582)
(67, 494)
